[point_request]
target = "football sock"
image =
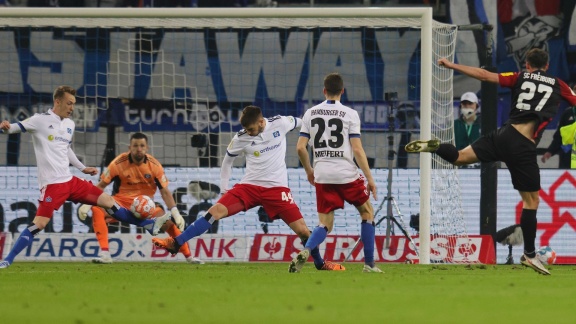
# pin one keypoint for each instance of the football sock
(528, 223)
(197, 228)
(124, 215)
(100, 227)
(315, 253)
(448, 152)
(26, 238)
(367, 233)
(173, 231)
(318, 236)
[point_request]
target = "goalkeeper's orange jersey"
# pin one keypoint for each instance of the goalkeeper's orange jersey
(131, 179)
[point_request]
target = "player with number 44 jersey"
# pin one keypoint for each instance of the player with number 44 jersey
(265, 183)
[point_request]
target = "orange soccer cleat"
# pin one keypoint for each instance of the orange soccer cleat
(332, 266)
(168, 243)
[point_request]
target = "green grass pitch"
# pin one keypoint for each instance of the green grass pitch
(266, 293)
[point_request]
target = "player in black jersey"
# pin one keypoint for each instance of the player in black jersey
(535, 99)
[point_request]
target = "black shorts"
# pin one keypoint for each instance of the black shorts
(506, 144)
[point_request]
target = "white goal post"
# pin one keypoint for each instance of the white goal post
(438, 189)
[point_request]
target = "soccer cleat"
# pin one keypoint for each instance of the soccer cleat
(368, 268)
(83, 211)
(298, 262)
(4, 264)
(422, 146)
(159, 222)
(534, 263)
(169, 244)
(194, 260)
(332, 266)
(103, 258)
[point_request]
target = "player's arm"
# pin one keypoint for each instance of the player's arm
(79, 165)
(362, 161)
(226, 171)
(171, 204)
(302, 150)
(567, 93)
(474, 72)
(8, 128)
(293, 122)
(27, 125)
(235, 148)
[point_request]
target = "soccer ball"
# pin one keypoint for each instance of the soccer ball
(546, 255)
(142, 207)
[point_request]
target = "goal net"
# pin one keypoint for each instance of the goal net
(182, 76)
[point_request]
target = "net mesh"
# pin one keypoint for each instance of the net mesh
(184, 81)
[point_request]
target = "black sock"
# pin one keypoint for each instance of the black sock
(448, 152)
(528, 223)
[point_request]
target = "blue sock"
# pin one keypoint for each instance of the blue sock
(26, 238)
(318, 236)
(315, 253)
(367, 233)
(124, 215)
(197, 228)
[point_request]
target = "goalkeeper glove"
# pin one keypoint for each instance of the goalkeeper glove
(177, 218)
(83, 211)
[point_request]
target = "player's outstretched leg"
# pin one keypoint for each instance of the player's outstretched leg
(24, 240)
(199, 226)
(151, 225)
(318, 236)
(174, 231)
(422, 146)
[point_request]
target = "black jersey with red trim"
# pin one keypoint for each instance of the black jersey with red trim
(535, 97)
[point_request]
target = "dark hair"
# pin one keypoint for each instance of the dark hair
(138, 136)
(333, 83)
(61, 90)
(250, 116)
(537, 58)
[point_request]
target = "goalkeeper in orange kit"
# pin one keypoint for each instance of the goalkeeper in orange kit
(135, 173)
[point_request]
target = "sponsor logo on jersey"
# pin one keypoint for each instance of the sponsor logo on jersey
(147, 176)
(256, 153)
(267, 149)
(69, 130)
(507, 74)
(253, 143)
(58, 138)
(48, 199)
(50, 127)
(276, 134)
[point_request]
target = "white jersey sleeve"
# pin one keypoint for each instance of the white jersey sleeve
(291, 122)
(30, 124)
(237, 144)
